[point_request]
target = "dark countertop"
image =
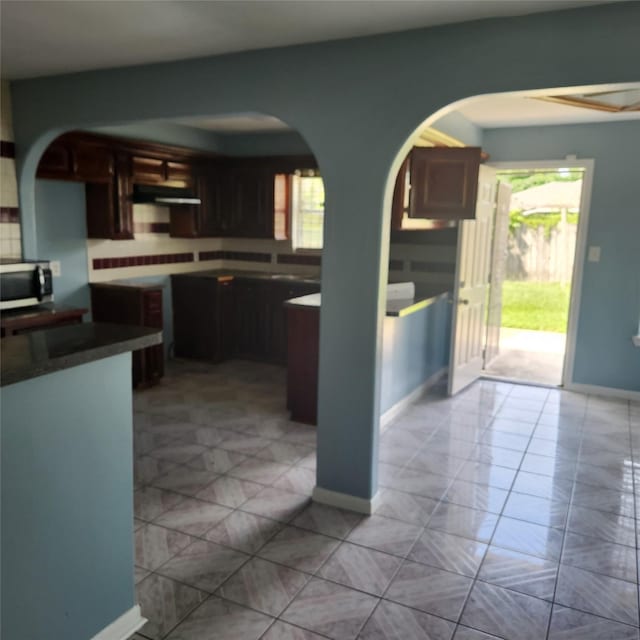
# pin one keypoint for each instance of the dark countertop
(37, 353)
(44, 311)
(225, 274)
(394, 308)
(127, 284)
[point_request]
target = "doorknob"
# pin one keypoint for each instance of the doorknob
(462, 301)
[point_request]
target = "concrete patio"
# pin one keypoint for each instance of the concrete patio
(531, 356)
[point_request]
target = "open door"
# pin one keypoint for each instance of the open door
(469, 323)
(497, 272)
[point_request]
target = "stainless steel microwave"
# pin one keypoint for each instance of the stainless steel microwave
(25, 284)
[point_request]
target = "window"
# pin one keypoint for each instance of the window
(307, 210)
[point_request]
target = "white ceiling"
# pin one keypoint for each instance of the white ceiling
(236, 123)
(57, 36)
(498, 111)
(486, 112)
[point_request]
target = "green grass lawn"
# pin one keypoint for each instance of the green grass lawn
(540, 306)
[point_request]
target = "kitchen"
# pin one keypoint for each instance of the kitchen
(163, 242)
(61, 225)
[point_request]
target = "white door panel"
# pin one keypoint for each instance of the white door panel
(471, 287)
(497, 271)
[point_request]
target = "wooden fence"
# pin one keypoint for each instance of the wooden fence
(541, 255)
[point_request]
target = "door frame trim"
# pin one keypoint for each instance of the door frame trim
(588, 164)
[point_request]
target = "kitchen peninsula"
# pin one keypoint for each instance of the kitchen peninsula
(415, 352)
(67, 504)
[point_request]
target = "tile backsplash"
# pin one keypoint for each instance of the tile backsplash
(153, 252)
(426, 258)
(10, 240)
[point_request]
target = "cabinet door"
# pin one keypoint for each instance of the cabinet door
(251, 319)
(179, 174)
(400, 193)
(194, 317)
(123, 214)
(444, 182)
(56, 162)
(109, 205)
(225, 320)
(146, 170)
(77, 161)
(215, 192)
(251, 203)
(93, 164)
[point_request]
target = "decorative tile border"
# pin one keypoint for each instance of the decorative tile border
(10, 214)
(247, 256)
(291, 258)
(7, 149)
(141, 261)
(211, 255)
(150, 227)
(432, 267)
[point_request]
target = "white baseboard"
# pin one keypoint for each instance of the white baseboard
(399, 407)
(596, 390)
(123, 627)
(346, 501)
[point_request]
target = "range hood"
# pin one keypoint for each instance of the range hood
(151, 194)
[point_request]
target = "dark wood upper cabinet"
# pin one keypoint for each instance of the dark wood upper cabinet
(56, 162)
(400, 195)
(109, 204)
(179, 172)
(148, 170)
(250, 203)
(160, 171)
(444, 182)
(94, 164)
(238, 195)
(80, 162)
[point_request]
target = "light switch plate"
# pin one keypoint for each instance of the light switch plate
(56, 270)
(594, 254)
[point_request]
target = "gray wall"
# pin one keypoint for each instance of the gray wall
(67, 502)
(414, 348)
(62, 235)
(610, 296)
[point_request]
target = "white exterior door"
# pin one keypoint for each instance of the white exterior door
(497, 271)
(469, 324)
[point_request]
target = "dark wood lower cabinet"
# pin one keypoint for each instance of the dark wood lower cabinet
(138, 305)
(216, 318)
(303, 338)
(251, 319)
(202, 317)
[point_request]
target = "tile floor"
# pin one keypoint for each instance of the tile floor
(506, 512)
